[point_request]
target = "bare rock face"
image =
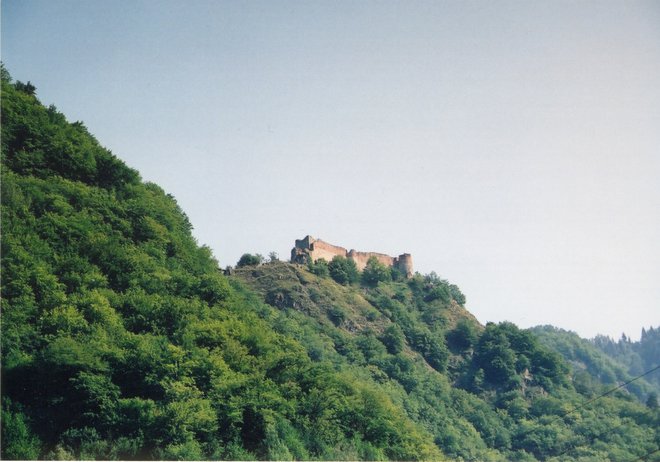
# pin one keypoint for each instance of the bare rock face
(309, 248)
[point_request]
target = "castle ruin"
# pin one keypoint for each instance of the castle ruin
(315, 249)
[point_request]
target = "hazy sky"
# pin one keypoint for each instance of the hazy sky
(511, 147)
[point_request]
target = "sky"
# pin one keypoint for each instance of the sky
(511, 147)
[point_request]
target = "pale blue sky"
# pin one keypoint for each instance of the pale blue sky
(511, 147)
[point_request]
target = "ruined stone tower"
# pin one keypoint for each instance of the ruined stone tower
(314, 249)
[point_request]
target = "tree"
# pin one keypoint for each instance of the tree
(26, 88)
(375, 272)
(370, 346)
(121, 340)
(456, 294)
(249, 260)
(337, 315)
(273, 257)
(319, 267)
(393, 339)
(494, 356)
(343, 270)
(17, 440)
(4, 73)
(463, 336)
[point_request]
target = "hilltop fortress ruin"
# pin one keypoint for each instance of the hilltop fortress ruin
(314, 249)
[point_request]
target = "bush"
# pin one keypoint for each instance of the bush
(370, 346)
(393, 339)
(456, 294)
(375, 272)
(249, 260)
(337, 315)
(320, 268)
(343, 270)
(438, 292)
(18, 442)
(463, 336)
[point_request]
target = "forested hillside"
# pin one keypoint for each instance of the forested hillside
(478, 388)
(602, 360)
(636, 357)
(121, 339)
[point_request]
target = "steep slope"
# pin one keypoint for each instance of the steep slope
(121, 339)
(636, 357)
(485, 393)
(594, 367)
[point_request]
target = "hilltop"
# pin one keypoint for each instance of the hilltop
(122, 339)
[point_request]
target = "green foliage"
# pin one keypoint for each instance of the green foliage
(375, 272)
(456, 294)
(18, 441)
(463, 337)
(371, 348)
(249, 260)
(393, 339)
(337, 315)
(505, 353)
(343, 270)
(4, 74)
(26, 88)
(121, 339)
(634, 357)
(602, 360)
(320, 268)
(492, 422)
(431, 347)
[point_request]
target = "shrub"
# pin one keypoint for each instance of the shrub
(343, 270)
(393, 339)
(319, 267)
(463, 336)
(249, 260)
(337, 315)
(375, 272)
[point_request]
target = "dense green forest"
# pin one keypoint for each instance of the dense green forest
(122, 339)
(607, 361)
(636, 357)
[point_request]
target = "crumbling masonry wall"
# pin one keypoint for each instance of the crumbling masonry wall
(361, 258)
(315, 249)
(321, 249)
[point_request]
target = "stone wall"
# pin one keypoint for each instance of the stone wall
(315, 249)
(321, 249)
(361, 258)
(404, 264)
(305, 242)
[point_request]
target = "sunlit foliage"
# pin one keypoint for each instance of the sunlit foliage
(122, 339)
